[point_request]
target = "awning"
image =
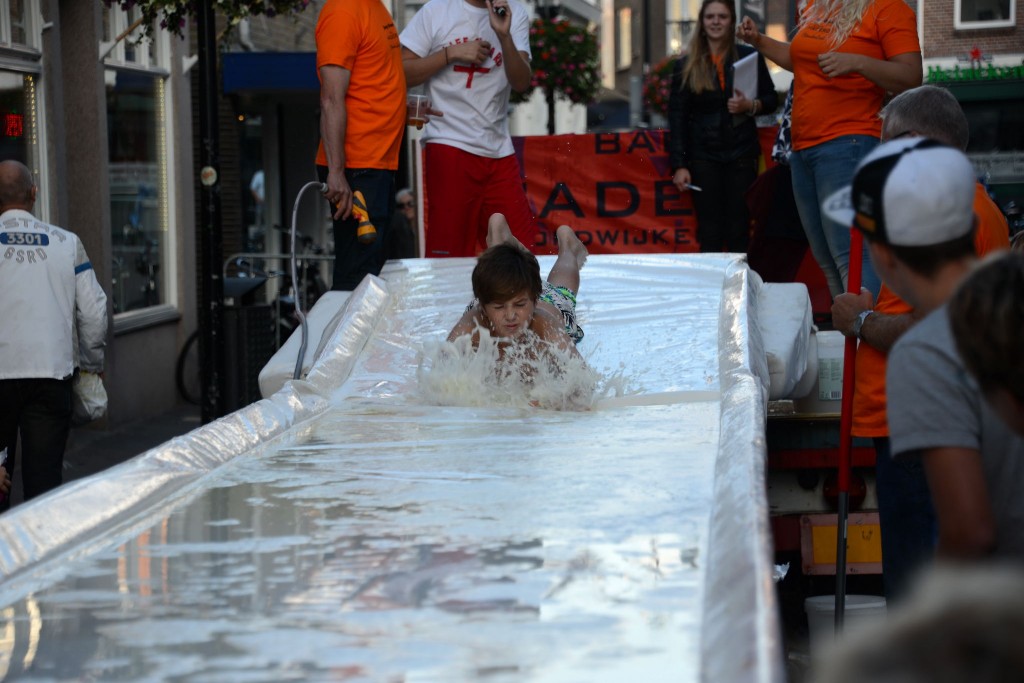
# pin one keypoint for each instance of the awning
(248, 72)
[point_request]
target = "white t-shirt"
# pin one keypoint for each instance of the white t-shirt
(474, 99)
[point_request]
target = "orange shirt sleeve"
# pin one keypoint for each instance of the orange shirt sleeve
(337, 36)
(993, 232)
(869, 417)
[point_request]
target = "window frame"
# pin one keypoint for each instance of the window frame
(150, 61)
(624, 38)
(961, 25)
(33, 30)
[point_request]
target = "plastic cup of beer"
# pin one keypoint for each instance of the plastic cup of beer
(417, 106)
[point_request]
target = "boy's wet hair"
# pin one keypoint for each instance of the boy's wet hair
(503, 271)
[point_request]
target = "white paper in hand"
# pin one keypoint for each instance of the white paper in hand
(744, 77)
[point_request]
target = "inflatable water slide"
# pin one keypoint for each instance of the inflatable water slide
(350, 527)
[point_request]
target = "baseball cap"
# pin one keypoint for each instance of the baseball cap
(911, 192)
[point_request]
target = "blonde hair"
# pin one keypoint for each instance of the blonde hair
(842, 15)
(699, 71)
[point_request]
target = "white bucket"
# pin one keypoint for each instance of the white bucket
(861, 611)
(826, 370)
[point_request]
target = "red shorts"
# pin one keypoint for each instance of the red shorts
(462, 191)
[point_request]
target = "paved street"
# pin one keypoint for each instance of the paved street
(91, 450)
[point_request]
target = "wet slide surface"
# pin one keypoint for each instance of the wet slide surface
(384, 538)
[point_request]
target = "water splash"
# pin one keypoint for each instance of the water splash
(457, 374)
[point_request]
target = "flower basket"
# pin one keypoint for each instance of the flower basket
(565, 61)
(658, 84)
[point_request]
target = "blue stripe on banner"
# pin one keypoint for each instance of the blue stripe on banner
(84, 267)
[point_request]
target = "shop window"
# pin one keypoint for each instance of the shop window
(995, 126)
(682, 21)
(18, 118)
(138, 216)
(138, 162)
(254, 185)
(971, 14)
(20, 109)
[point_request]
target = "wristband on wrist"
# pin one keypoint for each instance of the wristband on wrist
(858, 323)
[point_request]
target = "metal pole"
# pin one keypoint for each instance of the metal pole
(645, 114)
(845, 438)
(208, 237)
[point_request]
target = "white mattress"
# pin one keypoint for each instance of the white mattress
(344, 528)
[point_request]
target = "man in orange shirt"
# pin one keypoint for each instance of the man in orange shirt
(904, 504)
(362, 118)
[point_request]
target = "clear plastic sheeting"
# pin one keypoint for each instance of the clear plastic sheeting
(347, 529)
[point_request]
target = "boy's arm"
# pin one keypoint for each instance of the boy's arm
(467, 325)
(552, 330)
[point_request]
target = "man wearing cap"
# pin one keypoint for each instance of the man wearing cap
(904, 504)
(913, 200)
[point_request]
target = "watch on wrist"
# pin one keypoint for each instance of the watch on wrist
(858, 323)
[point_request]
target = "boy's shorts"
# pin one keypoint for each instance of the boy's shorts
(564, 300)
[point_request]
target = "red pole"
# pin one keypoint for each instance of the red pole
(845, 429)
(849, 364)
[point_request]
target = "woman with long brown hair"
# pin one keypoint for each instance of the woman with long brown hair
(713, 141)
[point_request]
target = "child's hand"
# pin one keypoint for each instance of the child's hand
(5, 481)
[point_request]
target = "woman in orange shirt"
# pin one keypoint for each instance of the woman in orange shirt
(845, 56)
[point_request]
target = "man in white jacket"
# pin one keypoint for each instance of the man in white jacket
(53, 319)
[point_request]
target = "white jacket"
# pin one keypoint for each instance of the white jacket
(49, 296)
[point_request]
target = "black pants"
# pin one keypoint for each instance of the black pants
(40, 411)
(722, 220)
(354, 260)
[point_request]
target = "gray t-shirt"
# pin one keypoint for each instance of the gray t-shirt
(933, 403)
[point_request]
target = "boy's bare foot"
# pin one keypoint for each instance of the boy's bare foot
(498, 232)
(568, 240)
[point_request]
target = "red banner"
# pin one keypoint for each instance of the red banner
(614, 189)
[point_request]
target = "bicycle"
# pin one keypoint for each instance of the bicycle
(243, 280)
(290, 299)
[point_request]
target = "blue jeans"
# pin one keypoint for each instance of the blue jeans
(909, 528)
(354, 260)
(818, 172)
(39, 411)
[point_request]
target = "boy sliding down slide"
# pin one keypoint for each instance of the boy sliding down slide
(515, 344)
(510, 298)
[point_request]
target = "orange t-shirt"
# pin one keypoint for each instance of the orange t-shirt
(869, 383)
(826, 108)
(719, 62)
(360, 36)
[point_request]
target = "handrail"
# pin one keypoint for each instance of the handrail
(260, 255)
